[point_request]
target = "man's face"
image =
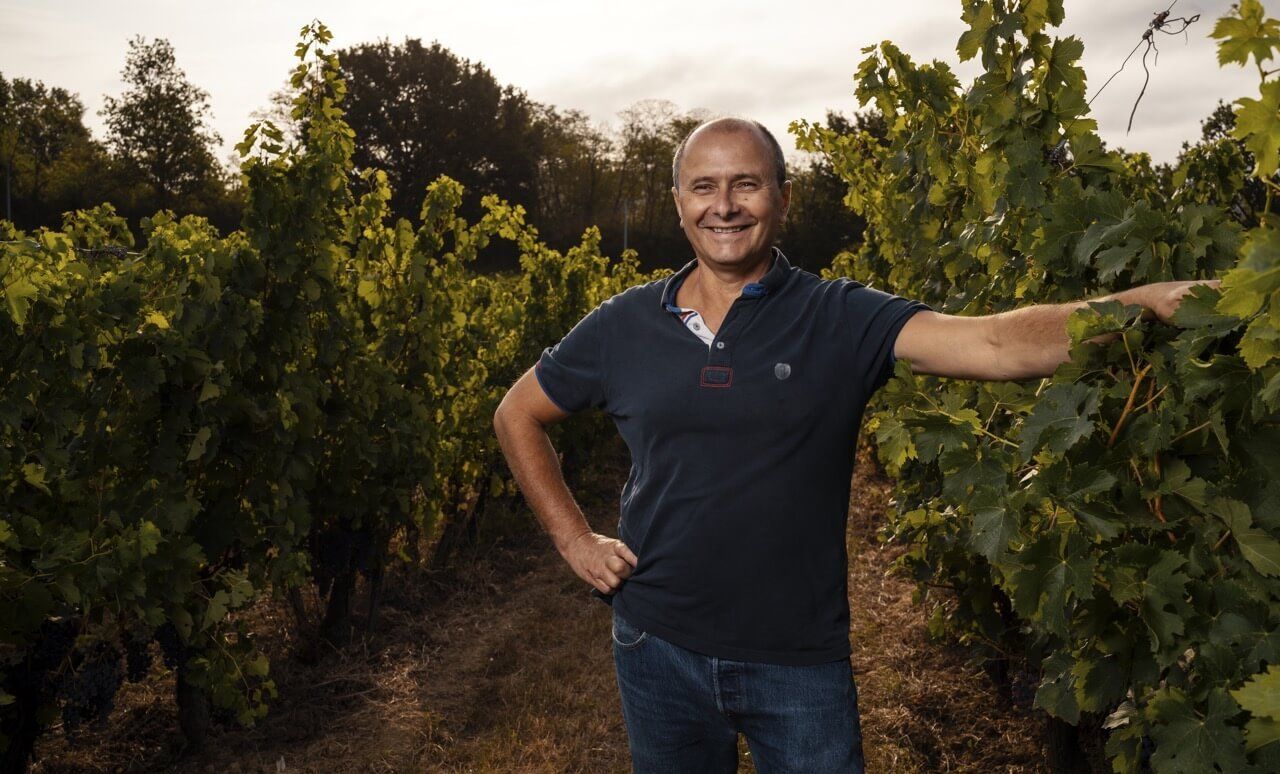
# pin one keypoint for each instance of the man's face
(730, 205)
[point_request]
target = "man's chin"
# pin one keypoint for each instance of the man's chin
(731, 257)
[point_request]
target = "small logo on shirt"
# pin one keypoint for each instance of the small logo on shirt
(782, 370)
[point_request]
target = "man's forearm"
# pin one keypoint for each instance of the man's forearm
(1033, 341)
(536, 467)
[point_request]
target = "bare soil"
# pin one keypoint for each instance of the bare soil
(507, 667)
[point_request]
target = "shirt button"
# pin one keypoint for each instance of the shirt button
(719, 345)
(697, 327)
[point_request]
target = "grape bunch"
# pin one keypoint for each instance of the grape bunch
(362, 551)
(172, 648)
(89, 693)
(138, 657)
(1022, 688)
(55, 641)
(331, 555)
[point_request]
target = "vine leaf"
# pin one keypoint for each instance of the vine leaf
(1261, 697)
(1062, 418)
(1258, 125)
(1189, 744)
(1248, 34)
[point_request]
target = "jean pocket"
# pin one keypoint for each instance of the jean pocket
(625, 635)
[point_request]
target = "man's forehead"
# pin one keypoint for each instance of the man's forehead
(727, 143)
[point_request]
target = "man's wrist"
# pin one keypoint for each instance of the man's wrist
(564, 539)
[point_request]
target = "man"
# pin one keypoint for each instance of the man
(738, 385)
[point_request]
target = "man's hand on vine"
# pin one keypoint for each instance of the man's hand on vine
(1165, 297)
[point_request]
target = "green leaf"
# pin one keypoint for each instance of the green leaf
(1164, 605)
(1260, 695)
(1257, 547)
(1100, 683)
(1040, 13)
(1056, 693)
(1187, 743)
(197, 446)
(18, 294)
(149, 538)
(1245, 35)
(893, 442)
(1061, 419)
(993, 527)
(217, 609)
(980, 20)
(34, 474)
(1258, 125)
(1046, 579)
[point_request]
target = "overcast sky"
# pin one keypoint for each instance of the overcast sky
(774, 61)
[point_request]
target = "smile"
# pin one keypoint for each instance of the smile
(728, 230)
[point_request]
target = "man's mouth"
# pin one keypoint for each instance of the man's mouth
(727, 229)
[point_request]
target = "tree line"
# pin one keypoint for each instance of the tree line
(418, 111)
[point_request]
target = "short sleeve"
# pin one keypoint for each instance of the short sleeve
(573, 372)
(874, 319)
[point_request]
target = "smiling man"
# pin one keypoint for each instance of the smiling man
(738, 384)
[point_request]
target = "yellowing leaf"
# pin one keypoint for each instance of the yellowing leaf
(197, 446)
(34, 474)
(18, 294)
(1258, 124)
(1248, 34)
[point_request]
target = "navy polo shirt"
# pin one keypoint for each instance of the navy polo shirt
(742, 454)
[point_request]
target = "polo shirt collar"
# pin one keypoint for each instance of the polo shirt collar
(771, 281)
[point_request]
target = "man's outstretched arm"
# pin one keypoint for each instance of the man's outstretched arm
(521, 423)
(1019, 344)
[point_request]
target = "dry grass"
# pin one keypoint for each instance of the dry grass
(509, 669)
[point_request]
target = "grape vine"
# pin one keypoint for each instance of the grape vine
(1116, 527)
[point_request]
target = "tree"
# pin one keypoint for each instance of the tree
(573, 175)
(419, 112)
(158, 128)
(651, 129)
(50, 160)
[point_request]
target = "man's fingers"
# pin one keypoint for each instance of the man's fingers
(626, 554)
(619, 566)
(609, 579)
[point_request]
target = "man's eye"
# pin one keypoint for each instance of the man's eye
(701, 188)
(746, 186)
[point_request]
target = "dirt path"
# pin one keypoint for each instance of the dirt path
(511, 670)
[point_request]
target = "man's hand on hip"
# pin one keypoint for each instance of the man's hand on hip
(602, 561)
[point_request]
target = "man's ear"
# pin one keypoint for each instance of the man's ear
(786, 199)
(675, 196)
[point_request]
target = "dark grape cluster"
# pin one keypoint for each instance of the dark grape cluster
(1022, 688)
(331, 555)
(138, 657)
(172, 648)
(56, 639)
(89, 692)
(362, 551)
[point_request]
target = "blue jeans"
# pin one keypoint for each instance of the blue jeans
(684, 710)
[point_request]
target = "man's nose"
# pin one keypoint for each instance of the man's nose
(724, 206)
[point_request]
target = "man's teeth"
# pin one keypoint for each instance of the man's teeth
(727, 230)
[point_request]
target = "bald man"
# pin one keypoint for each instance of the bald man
(738, 384)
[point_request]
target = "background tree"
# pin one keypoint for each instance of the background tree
(422, 111)
(573, 174)
(158, 132)
(51, 162)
